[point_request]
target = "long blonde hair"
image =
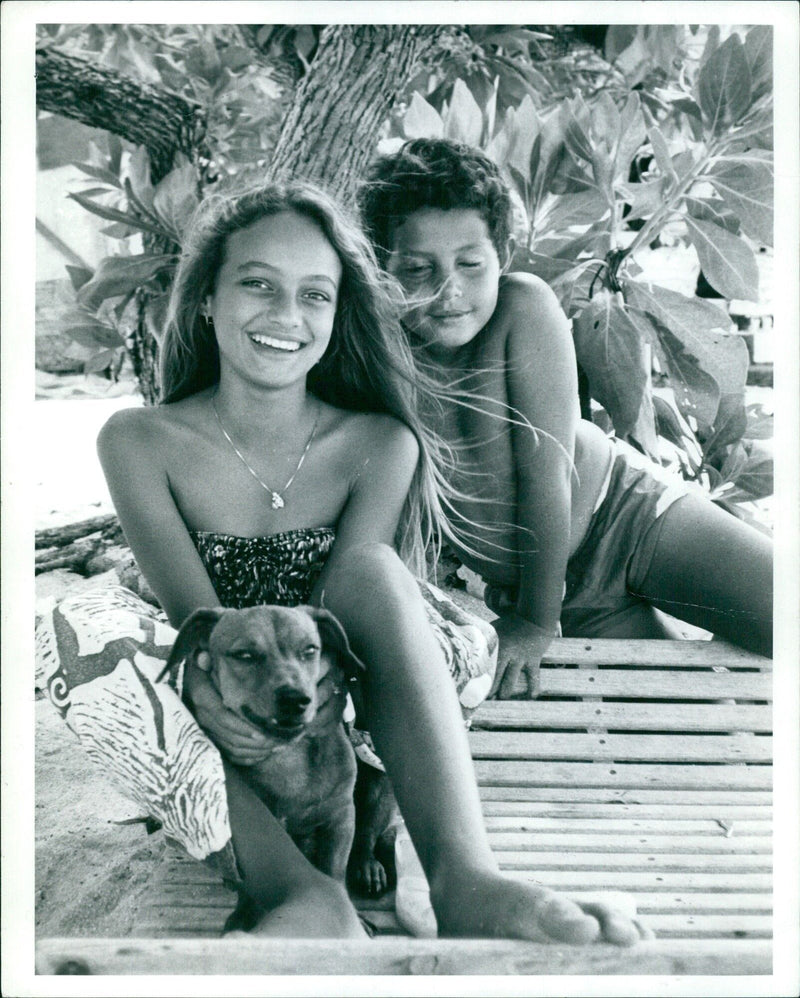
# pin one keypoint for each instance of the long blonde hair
(368, 365)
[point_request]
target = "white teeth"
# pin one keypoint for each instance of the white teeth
(270, 341)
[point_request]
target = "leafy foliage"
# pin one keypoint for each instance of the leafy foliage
(219, 66)
(600, 178)
(663, 136)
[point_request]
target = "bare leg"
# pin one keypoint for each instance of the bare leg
(415, 720)
(707, 567)
(300, 901)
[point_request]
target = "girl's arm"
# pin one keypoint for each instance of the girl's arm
(389, 455)
(543, 389)
(128, 448)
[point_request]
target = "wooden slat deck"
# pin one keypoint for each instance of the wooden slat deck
(644, 767)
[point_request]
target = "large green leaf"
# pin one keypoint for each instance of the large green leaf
(576, 121)
(612, 354)
(95, 335)
(463, 121)
(99, 173)
(758, 50)
(727, 261)
(566, 210)
(661, 153)
(549, 268)
(550, 153)
(668, 423)
(526, 127)
(119, 275)
(114, 215)
(747, 186)
(723, 86)
(712, 210)
(632, 134)
(696, 391)
(421, 121)
(758, 477)
(730, 424)
(100, 361)
(643, 198)
(760, 423)
(175, 198)
(604, 121)
(695, 338)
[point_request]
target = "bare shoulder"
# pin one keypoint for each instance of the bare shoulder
(141, 431)
(530, 304)
(371, 434)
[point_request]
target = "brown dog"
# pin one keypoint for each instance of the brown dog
(282, 669)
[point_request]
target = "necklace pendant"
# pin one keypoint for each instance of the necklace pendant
(277, 501)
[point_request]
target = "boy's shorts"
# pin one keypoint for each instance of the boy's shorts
(603, 575)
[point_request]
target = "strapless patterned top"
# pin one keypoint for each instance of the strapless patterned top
(248, 571)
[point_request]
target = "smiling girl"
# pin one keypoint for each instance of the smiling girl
(286, 465)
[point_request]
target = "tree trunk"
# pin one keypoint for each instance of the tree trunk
(330, 132)
(161, 121)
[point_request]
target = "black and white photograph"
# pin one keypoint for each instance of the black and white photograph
(401, 486)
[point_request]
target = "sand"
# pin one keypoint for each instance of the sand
(90, 870)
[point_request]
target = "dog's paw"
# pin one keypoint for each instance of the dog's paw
(369, 877)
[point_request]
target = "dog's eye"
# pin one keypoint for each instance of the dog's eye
(309, 652)
(243, 655)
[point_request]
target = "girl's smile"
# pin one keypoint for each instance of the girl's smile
(275, 298)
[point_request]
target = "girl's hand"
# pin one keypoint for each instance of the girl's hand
(522, 645)
(241, 742)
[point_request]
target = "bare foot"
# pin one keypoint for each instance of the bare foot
(313, 915)
(489, 905)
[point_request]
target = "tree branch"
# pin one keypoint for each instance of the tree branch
(161, 121)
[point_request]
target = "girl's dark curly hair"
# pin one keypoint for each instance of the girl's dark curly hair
(433, 173)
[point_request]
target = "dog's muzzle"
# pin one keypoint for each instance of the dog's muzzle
(290, 713)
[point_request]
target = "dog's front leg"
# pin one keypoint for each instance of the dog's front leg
(333, 840)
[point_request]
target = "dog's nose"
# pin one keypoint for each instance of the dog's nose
(291, 701)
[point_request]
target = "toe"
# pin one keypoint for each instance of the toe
(564, 920)
(615, 926)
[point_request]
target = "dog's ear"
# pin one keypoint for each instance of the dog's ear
(192, 637)
(334, 638)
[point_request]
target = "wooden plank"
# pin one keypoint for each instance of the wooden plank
(739, 902)
(519, 773)
(757, 814)
(653, 685)
(692, 717)
(639, 748)
(397, 956)
(608, 861)
(710, 926)
(679, 827)
(724, 882)
(685, 797)
(633, 844)
(649, 653)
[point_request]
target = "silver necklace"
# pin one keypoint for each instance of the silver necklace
(276, 497)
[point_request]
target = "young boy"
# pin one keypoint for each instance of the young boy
(563, 523)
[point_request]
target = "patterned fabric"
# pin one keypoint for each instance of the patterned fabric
(98, 654)
(280, 569)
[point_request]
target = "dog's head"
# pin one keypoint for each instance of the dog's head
(269, 663)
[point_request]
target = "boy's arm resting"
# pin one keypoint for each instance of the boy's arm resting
(128, 449)
(543, 393)
(379, 489)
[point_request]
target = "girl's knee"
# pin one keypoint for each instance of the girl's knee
(372, 570)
